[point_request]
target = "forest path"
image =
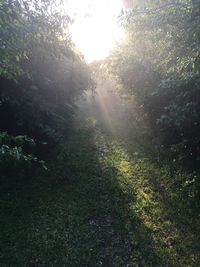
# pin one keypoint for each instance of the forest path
(98, 206)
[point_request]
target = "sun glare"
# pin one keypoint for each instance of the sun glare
(95, 30)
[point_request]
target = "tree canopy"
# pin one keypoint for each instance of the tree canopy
(41, 73)
(159, 64)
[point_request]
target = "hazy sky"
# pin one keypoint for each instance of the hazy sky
(95, 30)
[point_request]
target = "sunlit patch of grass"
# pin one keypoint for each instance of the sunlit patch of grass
(99, 206)
(173, 242)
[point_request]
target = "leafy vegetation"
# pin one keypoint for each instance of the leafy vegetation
(100, 207)
(16, 159)
(105, 177)
(158, 65)
(41, 76)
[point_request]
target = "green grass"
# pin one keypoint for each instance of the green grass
(98, 206)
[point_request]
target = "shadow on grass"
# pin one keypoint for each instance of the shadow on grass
(170, 221)
(78, 215)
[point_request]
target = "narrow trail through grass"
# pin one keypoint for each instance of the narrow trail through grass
(98, 206)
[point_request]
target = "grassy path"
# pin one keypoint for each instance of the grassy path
(98, 206)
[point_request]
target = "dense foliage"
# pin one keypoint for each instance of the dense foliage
(82, 180)
(41, 75)
(158, 64)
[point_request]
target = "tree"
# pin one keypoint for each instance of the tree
(41, 75)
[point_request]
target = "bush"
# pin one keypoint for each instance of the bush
(14, 162)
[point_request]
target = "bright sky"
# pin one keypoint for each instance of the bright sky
(95, 31)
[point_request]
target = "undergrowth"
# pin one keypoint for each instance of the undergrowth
(98, 205)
